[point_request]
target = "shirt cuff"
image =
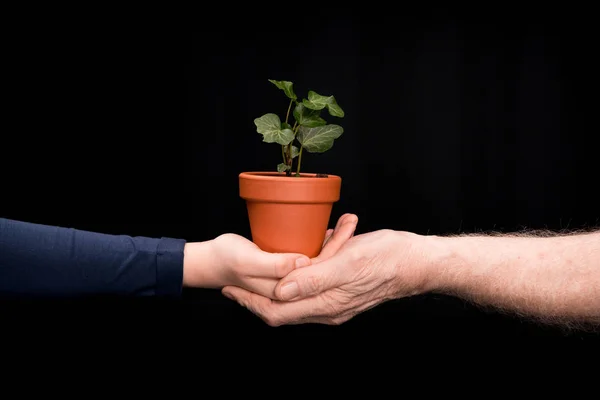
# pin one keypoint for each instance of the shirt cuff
(169, 267)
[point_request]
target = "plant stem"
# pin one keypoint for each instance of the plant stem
(288, 161)
(288, 111)
(295, 130)
(299, 161)
(283, 154)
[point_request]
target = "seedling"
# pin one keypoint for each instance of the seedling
(311, 132)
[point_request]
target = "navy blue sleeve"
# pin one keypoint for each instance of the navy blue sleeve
(42, 260)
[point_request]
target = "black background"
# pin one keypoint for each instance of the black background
(457, 120)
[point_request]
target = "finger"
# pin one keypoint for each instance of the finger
(330, 231)
(344, 230)
(341, 220)
(327, 237)
(262, 286)
(262, 264)
(306, 282)
(276, 313)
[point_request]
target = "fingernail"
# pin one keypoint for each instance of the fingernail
(351, 220)
(289, 291)
(302, 262)
(230, 297)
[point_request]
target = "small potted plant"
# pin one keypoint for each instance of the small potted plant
(288, 209)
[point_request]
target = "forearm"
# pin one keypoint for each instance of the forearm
(43, 260)
(552, 278)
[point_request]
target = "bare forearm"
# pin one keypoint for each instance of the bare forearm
(551, 278)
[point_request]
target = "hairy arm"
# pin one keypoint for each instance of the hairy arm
(552, 278)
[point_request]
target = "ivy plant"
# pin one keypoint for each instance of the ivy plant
(305, 130)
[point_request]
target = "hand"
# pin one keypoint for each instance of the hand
(232, 260)
(367, 270)
(335, 238)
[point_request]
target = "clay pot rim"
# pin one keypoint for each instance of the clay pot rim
(281, 177)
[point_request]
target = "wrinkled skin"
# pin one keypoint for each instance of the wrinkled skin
(360, 274)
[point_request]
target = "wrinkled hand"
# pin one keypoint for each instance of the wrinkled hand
(367, 270)
(335, 238)
(232, 260)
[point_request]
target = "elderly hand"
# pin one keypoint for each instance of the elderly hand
(365, 271)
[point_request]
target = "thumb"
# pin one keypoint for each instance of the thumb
(307, 282)
(263, 264)
(343, 231)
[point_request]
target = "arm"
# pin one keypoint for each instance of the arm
(46, 260)
(41, 260)
(555, 279)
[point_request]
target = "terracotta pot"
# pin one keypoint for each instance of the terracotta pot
(287, 213)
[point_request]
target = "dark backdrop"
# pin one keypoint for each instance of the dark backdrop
(456, 121)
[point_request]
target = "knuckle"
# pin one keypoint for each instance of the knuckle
(271, 319)
(356, 255)
(266, 314)
(245, 304)
(331, 310)
(337, 321)
(272, 322)
(326, 311)
(340, 318)
(280, 267)
(314, 283)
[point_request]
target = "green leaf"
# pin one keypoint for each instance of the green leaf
(319, 139)
(308, 117)
(318, 102)
(287, 87)
(282, 167)
(315, 101)
(285, 125)
(335, 109)
(269, 125)
(295, 152)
